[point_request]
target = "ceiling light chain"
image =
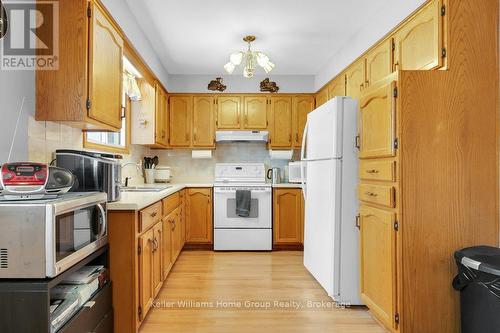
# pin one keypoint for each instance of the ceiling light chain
(250, 59)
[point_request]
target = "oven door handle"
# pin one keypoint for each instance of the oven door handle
(104, 221)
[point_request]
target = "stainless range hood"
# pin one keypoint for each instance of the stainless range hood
(241, 136)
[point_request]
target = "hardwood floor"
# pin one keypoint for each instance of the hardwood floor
(224, 284)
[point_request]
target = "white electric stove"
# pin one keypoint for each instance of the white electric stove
(233, 232)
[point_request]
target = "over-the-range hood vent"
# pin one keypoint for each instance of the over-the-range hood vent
(241, 136)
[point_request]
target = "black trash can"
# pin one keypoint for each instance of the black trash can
(478, 281)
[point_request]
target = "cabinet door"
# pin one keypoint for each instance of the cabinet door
(376, 123)
(166, 246)
(281, 128)
(337, 87)
(419, 41)
(177, 242)
(204, 122)
(322, 97)
(157, 259)
(302, 105)
(161, 137)
(146, 271)
(378, 262)
(199, 215)
(255, 112)
(355, 79)
(288, 217)
(180, 121)
(228, 112)
(106, 70)
(379, 63)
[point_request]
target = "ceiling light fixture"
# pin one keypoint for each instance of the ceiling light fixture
(249, 59)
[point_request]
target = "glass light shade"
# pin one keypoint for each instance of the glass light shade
(229, 67)
(262, 59)
(236, 58)
(268, 67)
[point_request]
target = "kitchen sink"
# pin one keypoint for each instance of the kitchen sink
(145, 188)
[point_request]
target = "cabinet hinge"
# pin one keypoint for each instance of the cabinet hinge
(396, 143)
(88, 104)
(396, 225)
(395, 93)
(443, 52)
(139, 249)
(123, 113)
(89, 11)
(357, 222)
(139, 311)
(396, 318)
(443, 10)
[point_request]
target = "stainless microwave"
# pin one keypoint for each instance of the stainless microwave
(43, 238)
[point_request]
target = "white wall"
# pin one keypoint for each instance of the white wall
(381, 23)
(239, 84)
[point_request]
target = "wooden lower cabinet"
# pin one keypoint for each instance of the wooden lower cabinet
(288, 218)
(378, 262)
(144, 246)
(199, 228)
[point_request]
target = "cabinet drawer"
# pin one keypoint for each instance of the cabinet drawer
(149, 216)
(377, 170)
(88, 318)
(377, 194)
(171, 202)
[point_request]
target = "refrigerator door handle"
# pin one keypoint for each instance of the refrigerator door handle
(303, 160)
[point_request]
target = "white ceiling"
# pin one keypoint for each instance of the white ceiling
(300, 36)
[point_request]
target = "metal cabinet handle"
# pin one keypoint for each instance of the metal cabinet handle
(371, 194)
(173, 224)
(296, 137)
(153, 214)
(372, 171)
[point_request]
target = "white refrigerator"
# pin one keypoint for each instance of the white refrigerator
(331, 238)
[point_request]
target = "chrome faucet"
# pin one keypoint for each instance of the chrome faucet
(138, 167)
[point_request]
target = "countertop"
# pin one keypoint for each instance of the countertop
(287, 185)
(140, 200)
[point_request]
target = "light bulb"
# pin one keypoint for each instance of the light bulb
(229, 67)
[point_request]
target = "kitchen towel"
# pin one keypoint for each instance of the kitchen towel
(243, 200)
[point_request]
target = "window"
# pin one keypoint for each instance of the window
(118, 141)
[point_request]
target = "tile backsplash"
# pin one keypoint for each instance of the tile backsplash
(45, 137)
(187, 169)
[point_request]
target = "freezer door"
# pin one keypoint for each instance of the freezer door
(322, 222)
(324, 131)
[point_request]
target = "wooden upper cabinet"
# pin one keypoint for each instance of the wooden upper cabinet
(379, 63)
(180, 121)
(302, 105)
(337, 87)
(322, 97)
(86, 89)
(199, 216)
(378, 262)
(204, 122)
(255, 112)
(161, 128)
(228, 112)
(355, 79)
(281, 128)
(287, 216)
(146, 271)
(376, 122)
(419, 42)
(106, 70)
